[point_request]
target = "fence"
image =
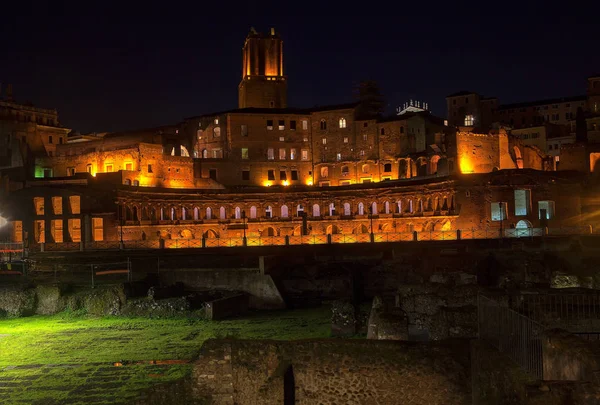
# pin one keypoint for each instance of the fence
(512, 333)
(464, 234)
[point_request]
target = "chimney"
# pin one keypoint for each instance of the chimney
(9, 95)
(272, 31)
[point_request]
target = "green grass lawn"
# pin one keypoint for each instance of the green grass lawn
(64, 359)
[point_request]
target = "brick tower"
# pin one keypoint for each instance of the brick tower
(263, 84)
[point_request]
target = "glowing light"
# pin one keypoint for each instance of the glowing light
(466, 166)
(286, 183)
(267, 184)
(309, 183)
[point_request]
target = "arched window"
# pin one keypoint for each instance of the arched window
(284, 211)
(374, 208)
(316, 211)
(269, 212)
(299, 209)
(136, 183)
(342, 122)
(208, 213)
(347, 211)
(323, 125)
(365, 168)
(361, 209)
(173, 214)
(217, 132)
(204, 154)
(183, 213)
(196, 213)
(162, 214)
(238, 213)
(331, 209)
(387, 167)
(253, 212)
(325, 172)
(222, 213)
(399, 207)
(345, 170)
(128, 182)
(386, 207)
(410, 206)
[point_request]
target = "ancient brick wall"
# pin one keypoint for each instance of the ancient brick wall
(330, 371)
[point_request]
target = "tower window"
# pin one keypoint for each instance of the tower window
(245, 153)
(270, 125)
(281, 126)
(244, 130)
(324, 140)
(282, 154)
(216, 121)
(217, 132)
(346, 139)
(292, 125)
(270, 153)
(342, 122)
(469, 120)
(304, 125)
(323, 125)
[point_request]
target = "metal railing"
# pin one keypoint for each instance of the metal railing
(513, 334)
(463, 234)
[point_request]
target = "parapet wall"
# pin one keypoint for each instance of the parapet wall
(330, 372)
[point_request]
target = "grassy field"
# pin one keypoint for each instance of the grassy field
(64, 359)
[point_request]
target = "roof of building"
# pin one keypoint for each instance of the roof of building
(289, 110)
(425, 114)
(542, 102)
(461, 93)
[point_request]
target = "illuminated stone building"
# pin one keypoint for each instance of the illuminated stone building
(265, 170)
(26, 132)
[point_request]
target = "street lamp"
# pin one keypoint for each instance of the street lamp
(244, 241)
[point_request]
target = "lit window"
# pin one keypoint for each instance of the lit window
(304, 154)
(217, 153)
(129, 166)
(342, 122)
(338, 156)
(365, 168)
(522, 202)
(499, 211)
(270, 153)
(346, 139)
(270, 125)
(281, 125)
(304, 125)
(469, 120)
(324, 172)
(216, 121)
(324, 140)
(244, 153)
(38, 202)
(282, 154)
(362, 152)
(292, 154)
(199, 133)
(282, 139)
(109, 168)
(57, 205)
(546, 207)
(365, 137)
(305, 139)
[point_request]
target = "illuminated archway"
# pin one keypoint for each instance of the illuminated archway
(360, 229)
(210, 234)
(284, 211)
(332, 230)
(269, 231)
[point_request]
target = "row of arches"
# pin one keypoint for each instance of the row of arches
(435, 204)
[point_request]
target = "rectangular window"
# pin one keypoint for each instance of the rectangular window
(271, 175)
(270, 125)
(282, 175)
(324, 140)
(244, 130)
(109, 168)
(499, 211)
(40, 231)
(338, 156)
(75, 204)
(128, 166)
(281, 125)
(47, 173)
(70, 171)
(75, 229)
(246, 175)
(292, 125)
(49, 138)
(217, 153)
(60, 140)
(292, 154)
(304, 125)
(469, 120)
(305, 139)
(547, 208)
(282, 139)
(304, 154)
(38, 203)
(522, 202)
(98, 229)
(270, 153)
(245, 153)
(365, 137)
(282, 154)
(294, 174)
(57, 205)
(149, 168)
(212, 173)
(346, 139)
(56, 229)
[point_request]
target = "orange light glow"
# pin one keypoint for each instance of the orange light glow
(267, 184)
(286, 183)
(309, 183)
(466, 166)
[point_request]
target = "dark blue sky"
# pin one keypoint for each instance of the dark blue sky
(110, 67)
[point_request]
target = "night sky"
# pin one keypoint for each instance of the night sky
(108, 68)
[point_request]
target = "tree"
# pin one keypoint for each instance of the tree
(580, 126)
(372, 102)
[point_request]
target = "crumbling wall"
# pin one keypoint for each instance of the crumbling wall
(329, 371)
